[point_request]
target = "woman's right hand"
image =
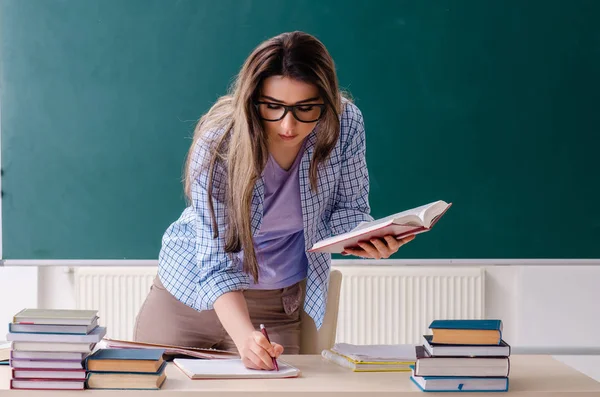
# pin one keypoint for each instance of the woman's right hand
(252, 345)
(256, 351)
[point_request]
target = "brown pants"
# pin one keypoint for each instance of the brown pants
(164, 319)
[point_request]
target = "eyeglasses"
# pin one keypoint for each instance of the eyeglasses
(304, 113)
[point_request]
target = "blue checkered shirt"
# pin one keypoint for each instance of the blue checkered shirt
(194, 266)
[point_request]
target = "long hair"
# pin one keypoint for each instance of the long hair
(243, 146)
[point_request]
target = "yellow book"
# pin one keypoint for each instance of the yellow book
(359, 365)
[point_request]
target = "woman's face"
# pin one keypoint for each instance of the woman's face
(288, 132)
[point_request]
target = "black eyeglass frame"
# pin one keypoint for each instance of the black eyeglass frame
(292, 108)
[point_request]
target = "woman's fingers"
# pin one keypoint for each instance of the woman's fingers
(378, 248)
(369, 249)
(263, 342)
(277, 348)
(382, 248)
(257, 361)
(261, 348)
(407, 239)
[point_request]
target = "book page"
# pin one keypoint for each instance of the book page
(433, 211)
(418, 216)
(231, 368)
(4, 350)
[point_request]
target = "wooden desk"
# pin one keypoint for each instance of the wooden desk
(538, 376)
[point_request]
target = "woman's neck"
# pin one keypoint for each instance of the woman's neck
(285, 156)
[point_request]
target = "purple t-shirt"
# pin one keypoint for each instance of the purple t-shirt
(279, 244)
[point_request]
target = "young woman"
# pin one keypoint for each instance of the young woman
(274, 167)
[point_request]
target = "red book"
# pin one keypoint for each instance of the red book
(47, 384)
(403, 224)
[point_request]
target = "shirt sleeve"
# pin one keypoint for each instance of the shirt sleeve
(220, 272)
(352, 196)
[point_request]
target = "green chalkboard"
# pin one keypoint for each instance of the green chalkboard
(492, 105)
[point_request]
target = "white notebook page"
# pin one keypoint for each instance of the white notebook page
(231, 368)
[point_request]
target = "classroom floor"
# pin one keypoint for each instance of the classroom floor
(589, 365)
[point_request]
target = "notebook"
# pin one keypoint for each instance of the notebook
(231, 369)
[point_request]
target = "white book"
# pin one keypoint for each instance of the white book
(55, 316)
(414, 221)
(53, 347)
(231, 369)
(460, 383)
(94, 337)
(53, 329)
(50, 364)
(35, 355)
(427, 365)
(43, 373)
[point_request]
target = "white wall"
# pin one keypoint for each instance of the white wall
(547, 306)
(57, 287)
(18, 289)
(559, 306)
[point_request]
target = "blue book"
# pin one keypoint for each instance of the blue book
(127, 380)
(146, 361)
(483, 324)
(467, 332)
(459, 383)
(449, 384)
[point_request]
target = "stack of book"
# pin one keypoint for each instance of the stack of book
(126, 369)
(49, 346)
(371, 358)
(463, 355)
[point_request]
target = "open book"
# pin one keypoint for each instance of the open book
(170, 350)
(4, 352)
(402, 224)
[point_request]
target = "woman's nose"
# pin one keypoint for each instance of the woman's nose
(288, 122)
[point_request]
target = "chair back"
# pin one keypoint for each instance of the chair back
(313, 341)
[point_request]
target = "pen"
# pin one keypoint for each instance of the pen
(264, 332)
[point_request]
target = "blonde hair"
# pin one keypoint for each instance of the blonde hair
(243, 146)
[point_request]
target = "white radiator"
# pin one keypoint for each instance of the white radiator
(116, 292)
(378, 304)
(396, 304)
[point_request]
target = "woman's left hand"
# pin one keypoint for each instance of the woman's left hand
(378, 248)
